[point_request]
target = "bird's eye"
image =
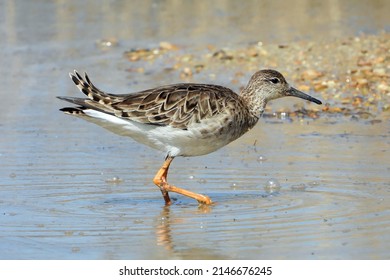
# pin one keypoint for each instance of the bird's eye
(274, 80)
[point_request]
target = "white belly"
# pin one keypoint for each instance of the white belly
(172, 141)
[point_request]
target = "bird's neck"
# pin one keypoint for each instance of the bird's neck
(255, 104)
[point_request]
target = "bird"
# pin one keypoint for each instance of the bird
(184, 119)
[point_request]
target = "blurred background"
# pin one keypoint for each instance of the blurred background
(308, 182)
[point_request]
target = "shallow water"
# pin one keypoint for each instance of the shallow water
(58, 195)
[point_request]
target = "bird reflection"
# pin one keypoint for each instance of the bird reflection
(164, 221)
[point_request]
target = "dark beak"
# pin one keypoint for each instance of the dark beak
(294, 92)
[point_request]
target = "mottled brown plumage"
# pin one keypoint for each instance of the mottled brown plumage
(179, 106)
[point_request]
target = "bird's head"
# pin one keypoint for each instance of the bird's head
(266, 85)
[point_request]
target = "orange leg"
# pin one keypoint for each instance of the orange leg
(160, 180)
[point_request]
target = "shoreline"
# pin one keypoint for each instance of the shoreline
(350, 75)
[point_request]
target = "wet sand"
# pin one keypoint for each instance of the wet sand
(70, 190)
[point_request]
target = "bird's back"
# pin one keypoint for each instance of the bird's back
(177, 105)
(169, 116)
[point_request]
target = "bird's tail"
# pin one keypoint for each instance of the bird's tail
(89, 89)
(97, 99)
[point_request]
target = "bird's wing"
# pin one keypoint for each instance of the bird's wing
(178, 105)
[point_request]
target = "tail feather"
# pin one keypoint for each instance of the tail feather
(73, 111)
(84, 103)
(74, 100)
(89, 89)
(96, 99)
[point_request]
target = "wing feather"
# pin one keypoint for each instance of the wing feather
(178, 105)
